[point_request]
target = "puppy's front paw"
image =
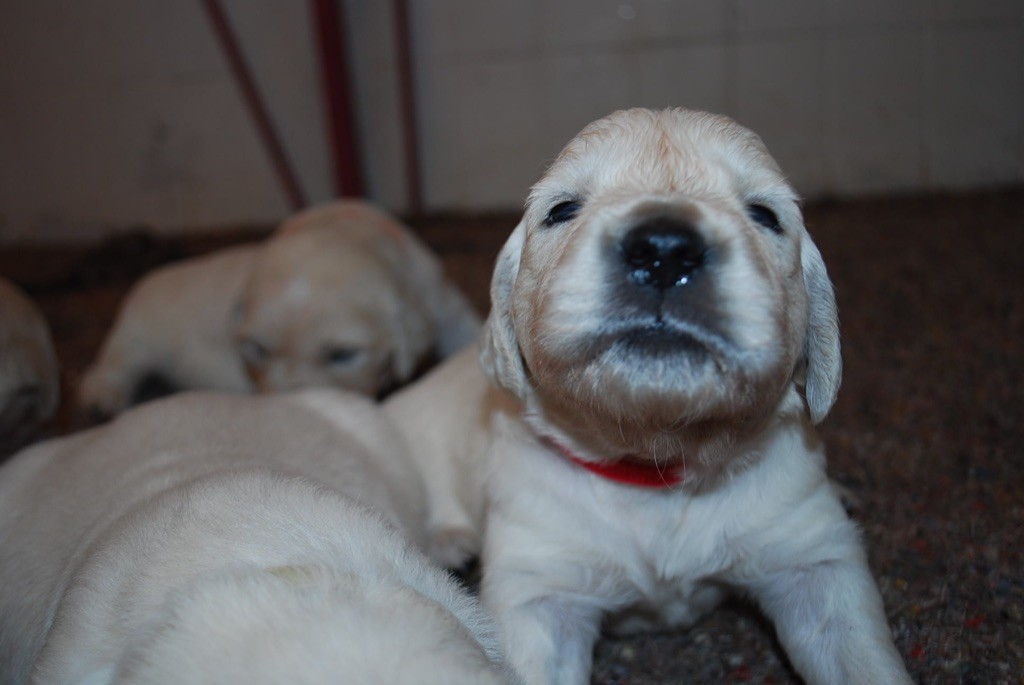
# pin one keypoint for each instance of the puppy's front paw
(453, 547)
(100, 397)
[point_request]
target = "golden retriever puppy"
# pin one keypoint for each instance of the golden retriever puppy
(346, 296)
(210, 538)
(341, 295)
(662, 338)
(29, 375)
(175, 327)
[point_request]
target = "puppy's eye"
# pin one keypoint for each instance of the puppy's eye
(562, 212)
(340, 356)
(253, 351)
(765, 217)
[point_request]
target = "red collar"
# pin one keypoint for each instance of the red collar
(627, 471)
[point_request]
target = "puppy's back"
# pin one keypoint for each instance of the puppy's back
(62, 500)
(253, 576)
(174, 324)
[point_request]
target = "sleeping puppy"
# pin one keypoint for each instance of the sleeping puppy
(663, 334)
(221, 539)
(173, 328)
(341, 295)
(346, 296)
(29, 375)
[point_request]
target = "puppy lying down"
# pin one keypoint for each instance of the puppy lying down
(663, 335)
(341, 295)
(29, 375)
(220, 539)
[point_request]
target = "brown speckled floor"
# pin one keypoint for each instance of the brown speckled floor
(927, 433)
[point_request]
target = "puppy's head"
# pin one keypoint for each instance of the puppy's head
(661, 288)
(328, 303)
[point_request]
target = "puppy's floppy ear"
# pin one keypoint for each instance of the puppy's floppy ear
(411, 335)
(237, 313)
(824, 365)
(454, 322)
(499, 351)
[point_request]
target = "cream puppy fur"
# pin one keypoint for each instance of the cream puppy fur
(662, 315)
(341, 295)
(175, 324)
(212, 538)
(29, 375)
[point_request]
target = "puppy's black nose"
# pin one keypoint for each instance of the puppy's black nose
(663, 252)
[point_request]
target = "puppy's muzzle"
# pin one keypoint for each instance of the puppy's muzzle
(663, 253)
(663, 297)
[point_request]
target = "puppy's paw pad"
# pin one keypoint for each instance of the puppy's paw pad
(453, 547)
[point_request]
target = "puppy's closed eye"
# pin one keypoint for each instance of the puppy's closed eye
(764, 217)
(340, 356)
(253, 351)
(562, 212)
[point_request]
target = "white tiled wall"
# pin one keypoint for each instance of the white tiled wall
(874, 110)
(116, 113)
(974, 121)
(122, 112)
(852, 96)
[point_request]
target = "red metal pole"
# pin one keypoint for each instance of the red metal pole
(407, 95)
(257, 108)
(337, 87)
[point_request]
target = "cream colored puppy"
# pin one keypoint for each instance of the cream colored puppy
(219, 539)
(663, 335)
(175, 325)
(346, 296)
(29, 375)
(341, 295)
